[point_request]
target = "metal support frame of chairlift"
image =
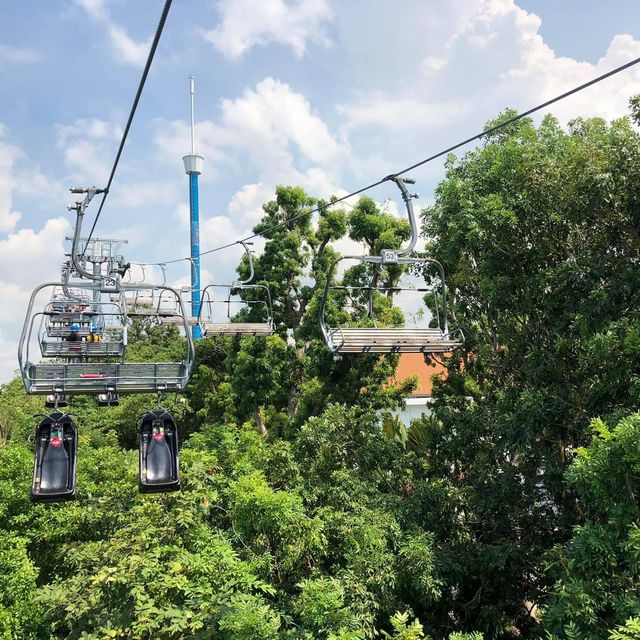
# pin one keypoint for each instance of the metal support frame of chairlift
(147, 305)
(211, 328)
(94, 377)
(102, 378)
(55, 324)
(54, 475)
(392, 339)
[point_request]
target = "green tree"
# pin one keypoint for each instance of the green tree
(597, 572)
(537, 230)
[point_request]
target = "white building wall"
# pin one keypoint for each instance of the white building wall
(413, 409)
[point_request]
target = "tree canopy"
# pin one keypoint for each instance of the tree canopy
(306, 511)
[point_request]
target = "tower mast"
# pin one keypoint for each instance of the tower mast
(193, 164)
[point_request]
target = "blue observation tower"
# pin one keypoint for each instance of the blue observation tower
(193, 164)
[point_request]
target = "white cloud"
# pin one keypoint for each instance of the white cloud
(18, 55)
(27, 259)
(31, 181)
(126, 50)
(499, 47)
(432, 64)
(172, 140)
(147, 193)
(8, 217)
(87, 162)
(87, 147)
(89, 128)
(220, 230)
(276, 115)
(476, 59)
(29, 256)
(273, 127)
(403, 113)
(246, 204)
(97, 9)
(246, 23)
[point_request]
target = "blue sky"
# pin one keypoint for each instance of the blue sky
(327, 94)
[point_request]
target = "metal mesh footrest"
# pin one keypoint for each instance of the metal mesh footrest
(391, 340)
(101, 377)
(85, 349)
(179, 321)
(65, 332)
(237, 329)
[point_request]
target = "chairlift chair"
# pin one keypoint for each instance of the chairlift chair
(248, 297)
(105, 374)
(146, 298)
(374, 339)
(54, 476)
(107, 317)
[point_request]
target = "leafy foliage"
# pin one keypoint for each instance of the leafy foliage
(538, 233)
(307, 510)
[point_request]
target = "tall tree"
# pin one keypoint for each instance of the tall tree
(538, 231)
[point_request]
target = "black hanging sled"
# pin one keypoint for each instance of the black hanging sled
(54, 471)
(158, 452)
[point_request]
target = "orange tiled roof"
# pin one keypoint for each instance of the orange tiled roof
(413, 364)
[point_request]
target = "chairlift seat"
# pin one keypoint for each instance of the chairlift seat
(261, 299)
(237, 329)
(390, 340)
(65, 332)
(179, 320)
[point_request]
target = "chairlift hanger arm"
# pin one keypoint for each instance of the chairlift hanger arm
(250, 257)
(408, 200)
(80, 208)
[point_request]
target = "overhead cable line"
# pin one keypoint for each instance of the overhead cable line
(478, 136)
(145, 73)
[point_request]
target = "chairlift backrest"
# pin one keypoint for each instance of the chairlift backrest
(158, 451)
(54, 468)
